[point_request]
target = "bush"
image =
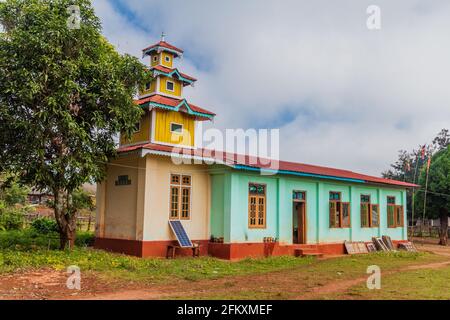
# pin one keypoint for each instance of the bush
(10, 218)
(84, 239)
(44, 225)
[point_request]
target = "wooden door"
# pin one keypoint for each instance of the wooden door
(299, 232)
(301, 222)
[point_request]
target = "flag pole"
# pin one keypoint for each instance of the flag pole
(425, 195)
(414, 197)
(414, 194)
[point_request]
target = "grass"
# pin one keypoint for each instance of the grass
(131, 268)
(26, 249)
(271, 278)
(425, 284)
(298, 281)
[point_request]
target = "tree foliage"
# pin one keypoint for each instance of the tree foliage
(438, 195)
(64, 95)
(11, 191)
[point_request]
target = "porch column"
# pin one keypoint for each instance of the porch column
(284, 218)
(231, 209)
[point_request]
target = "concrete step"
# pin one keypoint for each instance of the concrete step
(304, 252)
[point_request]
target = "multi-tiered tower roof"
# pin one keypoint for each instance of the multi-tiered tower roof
(169, 119)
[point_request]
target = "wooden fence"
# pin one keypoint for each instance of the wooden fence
(84, 222)
(425, 231)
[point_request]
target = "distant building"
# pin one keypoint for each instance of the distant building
(39, 197)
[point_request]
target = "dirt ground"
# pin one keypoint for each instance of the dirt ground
(48, 284)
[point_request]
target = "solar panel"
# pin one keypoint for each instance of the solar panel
(180, 233)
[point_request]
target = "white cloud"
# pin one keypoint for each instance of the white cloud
(355, 96)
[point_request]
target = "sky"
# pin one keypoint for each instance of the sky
(342, 95)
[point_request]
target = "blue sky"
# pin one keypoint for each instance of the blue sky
(341, 95)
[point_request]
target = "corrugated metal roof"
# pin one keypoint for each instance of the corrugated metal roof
(283, 167)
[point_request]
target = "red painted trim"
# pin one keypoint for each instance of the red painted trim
(145, 248)
(227, 251)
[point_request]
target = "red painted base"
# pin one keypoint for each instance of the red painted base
(227, 251)
(145, 248)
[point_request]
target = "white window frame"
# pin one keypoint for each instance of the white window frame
(191, 187)
(178, 124)
(167, 87)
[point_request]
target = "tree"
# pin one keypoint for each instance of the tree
(410, 164)
(438, 195)
(442, 140)
(64, 95)
(11, 191)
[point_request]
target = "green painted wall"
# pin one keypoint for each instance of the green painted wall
(229, 208)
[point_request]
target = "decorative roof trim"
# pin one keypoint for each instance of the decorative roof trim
(170, 75)
(177, 108)
(300, 174)
(159, 49)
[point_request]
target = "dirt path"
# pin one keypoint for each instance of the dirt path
(335, 287)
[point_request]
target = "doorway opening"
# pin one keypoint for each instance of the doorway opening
(299, 218)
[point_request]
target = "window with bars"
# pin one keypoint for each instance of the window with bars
(180, 196)
(339, 211)
(257, 206)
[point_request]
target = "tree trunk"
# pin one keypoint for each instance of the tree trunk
(66, 219)
(443, 232)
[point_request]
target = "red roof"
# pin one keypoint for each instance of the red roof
(172, 102)
(168, 70)
(261, 163)
(164, 45)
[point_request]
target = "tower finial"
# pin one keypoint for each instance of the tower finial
(163, 36)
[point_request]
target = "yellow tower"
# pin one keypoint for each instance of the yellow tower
(169, 119)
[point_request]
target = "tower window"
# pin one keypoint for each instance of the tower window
(167, 58)
(155, 58)
(137, 127)
(170, 86)
(147, 86)
(176, 128)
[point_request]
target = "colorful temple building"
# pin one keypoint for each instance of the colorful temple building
(229, 208)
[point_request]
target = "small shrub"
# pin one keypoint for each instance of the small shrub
(11, 219)
(44, 225)
(85, 239)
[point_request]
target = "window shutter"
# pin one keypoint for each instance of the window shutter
(261, 211)
(346, 220)
(252, 210)
(375, 216)
(399, 216)
(364, 215)
(391, 216)
(332, 214)
(174, 202)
